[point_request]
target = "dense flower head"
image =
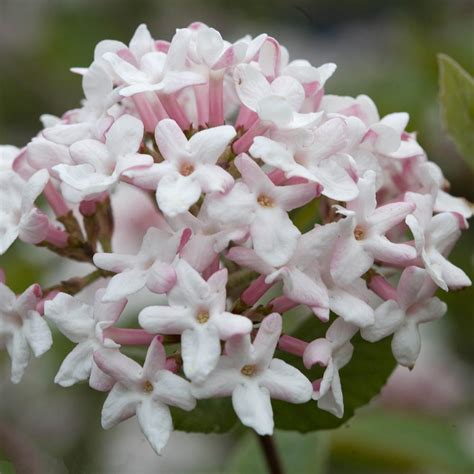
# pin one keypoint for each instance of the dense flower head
(219, 148)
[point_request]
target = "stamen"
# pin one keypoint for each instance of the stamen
(202, 317)
(186, 169)
(248, 370)
(147, 386)
(359, 233)
(265, 201)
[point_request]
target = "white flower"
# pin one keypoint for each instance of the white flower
(414, 305)
(18, 215)
(84, 325)
(257, 203)
(146, 392)
(151, 267)
(249, 373)
(98, 166)
(196, 310)
(189, 167)
(333, 352)
(22, 329)
(8, 153)
(435, 236)
(278, 102)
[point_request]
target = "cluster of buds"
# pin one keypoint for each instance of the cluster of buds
(227, 142)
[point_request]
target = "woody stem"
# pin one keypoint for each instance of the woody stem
(271, 455)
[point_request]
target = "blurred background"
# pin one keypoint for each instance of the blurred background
(424, 420)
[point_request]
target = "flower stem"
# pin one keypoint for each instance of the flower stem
(271, 455)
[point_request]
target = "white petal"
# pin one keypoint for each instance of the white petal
(388, 318)
(125, 284)
(125, 136)
(119, 405)
(176, 193)
(155, 421)
(208, 145)
(406, 344)
(76, 366)
(37, 333)
(252, 405)
(19, 353)
(173, 390)
(285, 382)
(200, 350)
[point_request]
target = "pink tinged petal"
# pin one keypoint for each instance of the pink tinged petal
(447, 203)
(173, 390)
(166, 319)
(336, 181)
(332, 401)
(208, 145)
(43, 154)
(410, 285)
(406, 344)
(174, 81)
(99, 380)
(176, 193)
(120, 405)
(213, 179)
(171, 141)
(304, 289)
(114, 262)
(273, 154)
(318, 352)
(365, 203)
(33, 189)
(220, 382)
(444, 273)
(275, 109)
(266, 339)
(444, 231)
(230, 325)
(240, 350)
(161, 278)
(253, 407)
(248, 258)
(107, 311)
(125, 284)
(351, 308)
(388, 318)
(155, 359)
(125, 135)
(7, 297)
(199, 251)
(251, 85)
(431, 310)
(28, 299)
(297, 195)
(89, 152)
(73, 318)
(200, 350)
(33, 227)
(96, 84)
(155, 422)
(191, 289)
(382, 249)
(349, 260)
(37, 333)
(141, 42)
(17, 348)
(121, 368)
(77, 365)
(274, 236)
(285, 382)
(126, 71)
(386, 217)
(289, 88)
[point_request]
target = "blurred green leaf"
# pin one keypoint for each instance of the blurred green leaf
(457, 104)
(209, 416)
(299, 454)
(6, 467)
(403, 442)
(362, 379)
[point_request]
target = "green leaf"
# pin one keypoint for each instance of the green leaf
(457, 105)
(298, 453)
(404, 442)
(210, 416)
(6, 468)
(362, 379)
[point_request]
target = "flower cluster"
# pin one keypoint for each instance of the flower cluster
(228, 143)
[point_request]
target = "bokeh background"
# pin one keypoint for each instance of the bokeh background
(424, 420)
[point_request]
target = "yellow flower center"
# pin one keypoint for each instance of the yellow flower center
(248, 370)
(265, 201)
(202, 317)
(147, 386)
(359, 233)
(186, 169)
